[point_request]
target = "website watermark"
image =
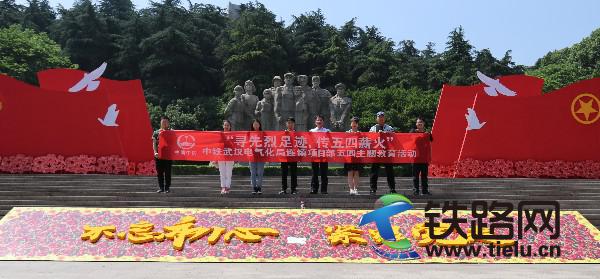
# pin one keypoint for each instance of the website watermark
(482, 230)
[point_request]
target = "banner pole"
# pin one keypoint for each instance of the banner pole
(463, 141)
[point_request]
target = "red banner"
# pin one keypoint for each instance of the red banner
(559, 125)
(280, 146)
(553, 126)
(111, 119)
(449, 124)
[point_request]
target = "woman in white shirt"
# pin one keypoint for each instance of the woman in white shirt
(225, 167)
(353, 169)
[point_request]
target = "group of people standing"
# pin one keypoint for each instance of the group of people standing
(319, 180)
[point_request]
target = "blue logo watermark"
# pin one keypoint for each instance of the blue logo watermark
(400, 249)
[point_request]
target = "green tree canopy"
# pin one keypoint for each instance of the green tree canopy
(562, 67)
(253, 47)
(10, 13)
(24, 52)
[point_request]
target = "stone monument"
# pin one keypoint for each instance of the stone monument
(265, 111)
(250, 100)
(276, 83)
(301, 113)
(311, 99)
(340, 109)
(285, 101)
(235, 111)
(324, 100)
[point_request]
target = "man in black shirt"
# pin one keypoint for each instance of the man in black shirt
(421, 169)
(163, 167)
(292, 166)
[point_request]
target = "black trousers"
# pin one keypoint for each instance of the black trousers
(163, 171)
(319, 169)
(420, 170)
(293, 168)
(389, 171)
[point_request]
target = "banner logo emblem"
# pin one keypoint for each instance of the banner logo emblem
(186, 142)
(586, 108)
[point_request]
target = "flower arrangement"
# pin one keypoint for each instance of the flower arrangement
(528, 168)
(146, 168)
(50, 163)
(16, 164)
(80, 164)
(111, 164)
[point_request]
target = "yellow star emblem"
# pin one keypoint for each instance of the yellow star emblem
(588, 105)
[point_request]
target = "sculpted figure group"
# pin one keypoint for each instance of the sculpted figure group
(286, 99)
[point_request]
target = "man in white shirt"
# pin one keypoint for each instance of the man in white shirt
(319, 168)
(381, 127)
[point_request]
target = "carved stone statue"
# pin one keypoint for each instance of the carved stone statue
(250, 101)
(311, 99)
(276, 83)
(265, 111)
(340, 109)
(301, 114)
(285, 101)
(235, 110)
(324, 100)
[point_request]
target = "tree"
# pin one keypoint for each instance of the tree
(372, 65)
(309, 37)
(24, 52)
(435, 67)
(458, 59)
(189, 114)
(10, 13)
(559, 75)
(127, 58)
(402, 106)
(410, 69)
(118, 15)
(83, 34)
(38, 15)
(339, 66)
(489, 65)
(168, 67)
(253, 48)
(118, 10)
(350, 33)
(178, 57)
(562, 67)
(156, 113)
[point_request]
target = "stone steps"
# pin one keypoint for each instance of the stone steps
(203, 191)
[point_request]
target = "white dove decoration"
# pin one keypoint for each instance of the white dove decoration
(89, 81)
(472, 120)
(110, 119)
(494, 86)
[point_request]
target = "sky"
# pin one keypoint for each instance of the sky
(530, 28)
